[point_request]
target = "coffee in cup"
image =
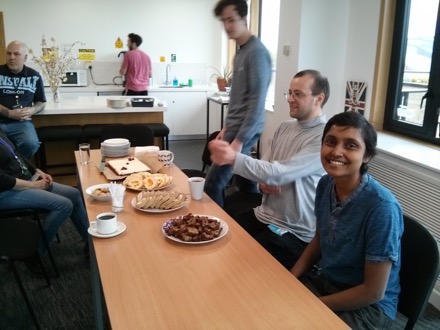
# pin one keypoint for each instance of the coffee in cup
(106, 223)
(196, 185)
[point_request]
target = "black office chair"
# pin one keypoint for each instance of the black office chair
(419, 270)
(33, 214)
(206, 159)
(19, 239)
(241, 201)
(138, 135)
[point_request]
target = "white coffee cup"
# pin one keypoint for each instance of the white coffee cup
(166, 157)
(106, 223)
(196, 185)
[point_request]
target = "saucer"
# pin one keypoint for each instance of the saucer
(120, 229)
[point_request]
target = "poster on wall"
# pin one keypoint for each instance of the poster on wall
(355, 96)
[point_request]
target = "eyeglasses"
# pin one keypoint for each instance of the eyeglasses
(296, 95)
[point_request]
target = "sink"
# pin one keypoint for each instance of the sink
(169, 86)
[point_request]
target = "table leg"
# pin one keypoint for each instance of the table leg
(207, 119)
(222, 115)
(96, 287)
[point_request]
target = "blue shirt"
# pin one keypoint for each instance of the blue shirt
(366, 226)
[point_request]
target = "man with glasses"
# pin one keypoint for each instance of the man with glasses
(288, 174)
(250, 81)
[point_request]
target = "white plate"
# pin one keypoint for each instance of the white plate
(133, 203)
(90, 190)
(115, 154)
(120, 229)
(223, 225)
(116, 142)
(159, 188)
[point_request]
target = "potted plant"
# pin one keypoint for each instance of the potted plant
(223, 78)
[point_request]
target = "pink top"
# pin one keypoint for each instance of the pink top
(138, 66)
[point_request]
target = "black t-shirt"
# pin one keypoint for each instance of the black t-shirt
(27, 85)
(10, 167)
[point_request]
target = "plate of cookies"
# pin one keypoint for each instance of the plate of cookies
(147, 181)
(159, 201)
(195, 229)
(100, 192)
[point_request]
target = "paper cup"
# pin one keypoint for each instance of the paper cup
(196, 185)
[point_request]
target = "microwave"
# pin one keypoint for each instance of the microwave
(74, 78)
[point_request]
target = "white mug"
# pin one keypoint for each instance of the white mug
(166, 157)
(106, 223)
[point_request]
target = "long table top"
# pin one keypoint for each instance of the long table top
(151, 282)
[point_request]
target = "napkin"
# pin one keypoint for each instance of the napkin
(151, 160)
(117, 191)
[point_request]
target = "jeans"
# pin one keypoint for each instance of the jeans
(218, 177)
(60, 200)
(286, 248)
(23, 135)
(367, 317)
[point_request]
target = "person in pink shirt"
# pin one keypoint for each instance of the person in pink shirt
(136, 67)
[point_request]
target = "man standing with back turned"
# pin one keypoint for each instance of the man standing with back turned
(136, 67)
(250, 81)
(21, 96)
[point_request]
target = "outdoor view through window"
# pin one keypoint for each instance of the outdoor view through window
(421, 31)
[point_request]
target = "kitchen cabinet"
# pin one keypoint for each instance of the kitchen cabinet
(186, 111)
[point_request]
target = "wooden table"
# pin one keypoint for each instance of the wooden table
(151, 282)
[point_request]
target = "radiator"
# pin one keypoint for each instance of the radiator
(418, 190)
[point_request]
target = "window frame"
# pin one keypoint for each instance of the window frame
(428, 129)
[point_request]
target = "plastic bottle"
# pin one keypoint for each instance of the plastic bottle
(175, 82)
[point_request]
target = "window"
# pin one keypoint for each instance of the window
(269, 26)
(413, 97)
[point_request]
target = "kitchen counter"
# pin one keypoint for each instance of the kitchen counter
(71, 105)
(118, 89)
(84, 111)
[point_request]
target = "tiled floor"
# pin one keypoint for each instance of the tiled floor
(188, 153)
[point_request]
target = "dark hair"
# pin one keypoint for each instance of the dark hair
(356, 120)
(240, 6)
(137, 39)
(320, 84)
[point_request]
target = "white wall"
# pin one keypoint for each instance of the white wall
(185, 28)
(338, 38)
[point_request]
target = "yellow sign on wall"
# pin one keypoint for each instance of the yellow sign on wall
(119, 44)
(86, 54)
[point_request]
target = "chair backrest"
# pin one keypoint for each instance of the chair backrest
(138, 135)
(18, 237)
(419, 270)
(206, 156)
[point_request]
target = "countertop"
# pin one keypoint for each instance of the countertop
(92, 104)
(118, 88)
